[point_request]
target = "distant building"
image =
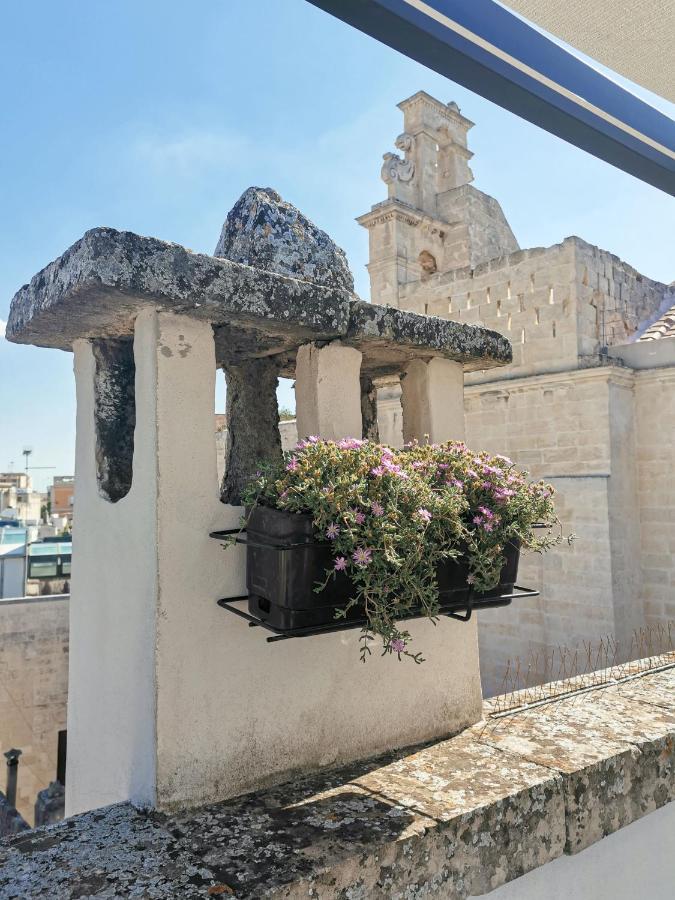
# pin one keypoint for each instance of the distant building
(61, 496)
(18, 500)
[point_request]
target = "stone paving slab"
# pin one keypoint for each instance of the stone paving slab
(453, 819)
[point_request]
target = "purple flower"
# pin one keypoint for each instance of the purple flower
(350, 444)
(424, 514)
(491, 470)
(470, 579)
(418, 464)
(487, 526)
(509, 462)
(377, 508)
(340, 564)
(456, 483)
(397, 645)
(362, 556)
(292, 465)
(477, 520)
(301, 445)
(486, 512)
(283, 494)
(471, 473)
(332, 531)
(378, 470)
(313, 439)
(360, 518)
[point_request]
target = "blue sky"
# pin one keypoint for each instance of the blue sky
(155, 116)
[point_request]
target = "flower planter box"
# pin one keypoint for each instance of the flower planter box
(285, 562)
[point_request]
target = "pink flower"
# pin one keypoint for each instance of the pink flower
(397, 645)
(486, 512)
(418, 464)
(283, 494)
(487, 526)
(471, 473)
(377, 508)
(360, 518)
(378, 470)
(470, 579)
(340, 564)
(362, 556)
(477, 520)
(350, 444)
(292, 465)
(424, 514)
(509, 462)
(332, 531)
(313, 439)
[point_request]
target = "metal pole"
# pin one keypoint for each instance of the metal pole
(12, 757)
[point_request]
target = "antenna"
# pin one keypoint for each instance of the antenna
(26, 454)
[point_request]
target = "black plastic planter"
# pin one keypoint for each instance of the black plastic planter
(285, 563)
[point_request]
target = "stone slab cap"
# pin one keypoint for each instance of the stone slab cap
(389, 338)
(98, 286)
(456, 818)
(277, 282)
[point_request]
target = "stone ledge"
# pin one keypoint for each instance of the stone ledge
(98, 286)
(453, 819)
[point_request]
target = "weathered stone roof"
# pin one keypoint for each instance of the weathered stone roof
(454, 819)
(664, 327)
(97, 287)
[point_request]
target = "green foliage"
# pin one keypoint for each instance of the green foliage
(391, 516)
(286, 414)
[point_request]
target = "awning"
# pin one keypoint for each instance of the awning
(488, 49)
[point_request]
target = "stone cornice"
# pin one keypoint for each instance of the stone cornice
(396, 210)
(519, 382)
(446, 110)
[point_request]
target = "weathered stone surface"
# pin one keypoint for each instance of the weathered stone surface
(253, 423)
(267, 232)
(453, 819)
(389, 338)
(115, 416)
(97, 287)
(278, 282)
(112, 852)
(618, 755)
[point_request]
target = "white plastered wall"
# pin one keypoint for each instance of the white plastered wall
(174, 702)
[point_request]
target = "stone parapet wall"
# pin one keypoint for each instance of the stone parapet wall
(516, 794)
(33, 688)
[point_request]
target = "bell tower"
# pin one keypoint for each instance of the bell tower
(433, 220)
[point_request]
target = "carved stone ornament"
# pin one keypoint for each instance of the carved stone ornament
(396, 169)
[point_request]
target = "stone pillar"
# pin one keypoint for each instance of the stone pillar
(140, 559)
(252, 422)
(328, 391)
(369, 422)
(432, 398)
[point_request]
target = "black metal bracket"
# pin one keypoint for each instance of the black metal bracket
(463, 613)
(243, 538)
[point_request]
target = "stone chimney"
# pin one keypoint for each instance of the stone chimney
(172, 701)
